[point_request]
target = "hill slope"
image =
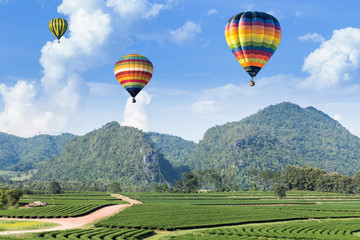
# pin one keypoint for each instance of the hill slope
(274, 137)
(111, 153)
(21, 154)
(175, 149)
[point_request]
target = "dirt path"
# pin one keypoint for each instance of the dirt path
(76, 222)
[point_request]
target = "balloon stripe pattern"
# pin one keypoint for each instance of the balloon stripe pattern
(133, 72)
(253, 37)
(58, 27)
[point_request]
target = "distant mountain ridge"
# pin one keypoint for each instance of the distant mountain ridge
(22, 154)
(111, 153)
(270, 139)
(278, 135)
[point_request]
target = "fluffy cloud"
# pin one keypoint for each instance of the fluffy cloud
(337, 117)
(185, 33)
(205, 107)
(53, 104)
(135, 113)
(313, 37)
(334, 60)
(212, 11)
(128, 9)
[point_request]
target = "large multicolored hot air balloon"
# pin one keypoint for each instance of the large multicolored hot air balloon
(58, 27)
(253, 38)
(133, 72)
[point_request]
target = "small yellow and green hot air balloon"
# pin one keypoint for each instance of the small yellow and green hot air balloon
(133, 72)
(253, 38)
(58, 27)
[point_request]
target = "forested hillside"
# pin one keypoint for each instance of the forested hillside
(175, 149)
(111, 153)
(270, 139)
(274, 137)
(22, 154)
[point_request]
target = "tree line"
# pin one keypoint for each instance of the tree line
(199, 180)
(305, 178)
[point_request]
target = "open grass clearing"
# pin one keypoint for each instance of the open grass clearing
(12, 225)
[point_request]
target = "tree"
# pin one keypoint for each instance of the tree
(253, 177)
(279, 190)
(189, 183)
(266, 179)
(114, 187)
(9, 197)
(54, 187)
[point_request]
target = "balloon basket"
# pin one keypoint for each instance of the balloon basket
(133, 100)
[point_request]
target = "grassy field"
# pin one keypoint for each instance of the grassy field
(62, 205)
(13, 225)
(231, 215)
(326, 229)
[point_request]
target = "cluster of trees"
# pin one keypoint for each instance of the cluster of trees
(28, 186)
(305, 178)
(9, 197)
(55, 188)
(192, 182)
(314, 179)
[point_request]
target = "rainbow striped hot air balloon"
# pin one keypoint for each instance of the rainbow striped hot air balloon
(253, 38)
(58, 27)
(133, 72)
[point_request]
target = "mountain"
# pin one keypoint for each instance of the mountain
(278, 135)
(22, 154)
(175, 149)
(112, 153)
(270, 139)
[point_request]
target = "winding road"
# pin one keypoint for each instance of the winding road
(77, 222)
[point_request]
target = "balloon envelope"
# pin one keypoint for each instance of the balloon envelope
(133, 72)
(58, 27)
(253, 38)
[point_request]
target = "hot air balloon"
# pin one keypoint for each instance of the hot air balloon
(58, 27)
(253, 38)
(133, 72)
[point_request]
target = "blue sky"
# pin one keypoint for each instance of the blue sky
(46, 87)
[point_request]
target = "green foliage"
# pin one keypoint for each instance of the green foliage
(114, 187)
(329, 229)
(309, 179)
(274, 137)
(265, 142)
(22, 154)
(112, 153)
(188, 183)
(175, 149)
(161, 216)
(97, 234)
(66, 205)
(54, 187)
(9, 197)
(279, 190)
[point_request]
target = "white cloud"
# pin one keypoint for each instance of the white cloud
(312, 36)
(337, 117)
(135, 113)
(248, 7)
(205, 107)
(54, 104)
(212, 11)
(128, 9)
(102, 89)
(185, 33)
(334, 60)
